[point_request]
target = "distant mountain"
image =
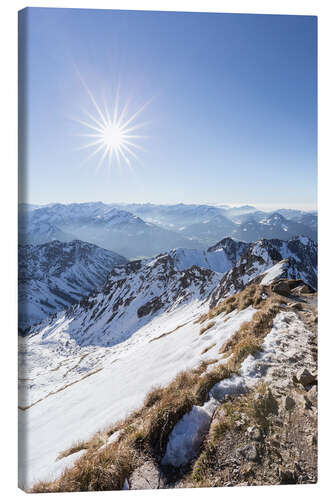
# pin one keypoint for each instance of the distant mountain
(27, 207)
(210, 230)
(34, 232)
(244, 209)
(100, 224)
(206, 223)
(293, 259)
(143, 230)
(272, 226)
(255, 226)
(55, 275)
(290, 213)
(307, 219)
(257, 216)
(175, 217)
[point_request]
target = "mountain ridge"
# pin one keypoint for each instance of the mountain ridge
(54, 275)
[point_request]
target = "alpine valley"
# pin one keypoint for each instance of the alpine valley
(166, 346)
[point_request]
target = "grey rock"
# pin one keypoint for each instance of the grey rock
(289, 403)
(296, 306)
(304, 377)
(312, 395)
(254, 433)
(250, 452)
(145, 477)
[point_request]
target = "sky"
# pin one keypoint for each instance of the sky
(228, 106)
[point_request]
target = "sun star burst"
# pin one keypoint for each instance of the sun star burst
(111, 132)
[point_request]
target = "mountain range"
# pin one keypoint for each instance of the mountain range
(134, 292)
(144, 230)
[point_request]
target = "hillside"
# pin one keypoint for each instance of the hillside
(56, 275)
(220, 421)
(153, 320)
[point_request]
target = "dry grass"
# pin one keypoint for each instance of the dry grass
(208, 380)
(251, 295)
(60, 389)
(206, 349)
(253, 408)
(78, 446)
(207, 327)
(168, 333)
(218, 430)
(257, 406)
(102, 471)
(249, 337)
(93, 444)
(145, 434)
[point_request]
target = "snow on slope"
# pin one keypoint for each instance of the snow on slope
(220, 257)
(136, 292)
(274, 272)
(128, 371)
(185, 258)
(70, 344)
(55, 275)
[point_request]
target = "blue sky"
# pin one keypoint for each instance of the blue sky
(231, 115)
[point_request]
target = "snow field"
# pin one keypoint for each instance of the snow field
(130, 371)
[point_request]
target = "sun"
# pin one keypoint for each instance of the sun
(112, 132)
(113, 136)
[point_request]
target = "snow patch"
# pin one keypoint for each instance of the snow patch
(273, 273)
(187, 435)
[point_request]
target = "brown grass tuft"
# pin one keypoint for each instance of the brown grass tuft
(251, 295)
(206, 349)
(248, 338)
(207, 327)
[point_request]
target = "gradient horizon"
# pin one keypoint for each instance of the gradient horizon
(233, 117)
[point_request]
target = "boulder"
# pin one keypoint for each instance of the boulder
(147, 476)
(281, 287)
(287, 475)
(289, 403)
(304, 377)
